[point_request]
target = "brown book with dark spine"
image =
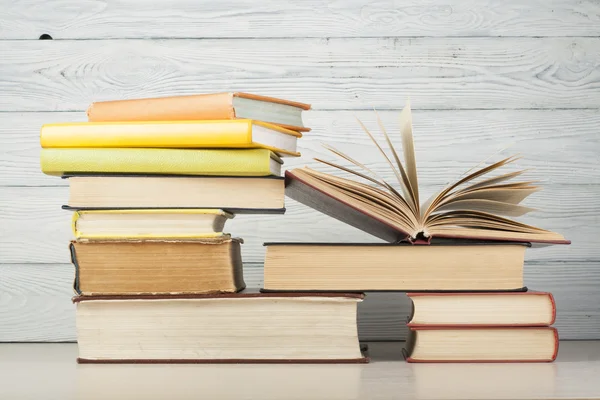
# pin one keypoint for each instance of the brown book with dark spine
(219, 328)
(212, 106)
(132, 267)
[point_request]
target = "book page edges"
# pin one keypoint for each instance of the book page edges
(413, 330)
(549, 295)
(291, 177)
(250, 96)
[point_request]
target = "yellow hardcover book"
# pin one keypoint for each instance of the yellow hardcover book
(242, 133)
(149, 224)
(215, 162)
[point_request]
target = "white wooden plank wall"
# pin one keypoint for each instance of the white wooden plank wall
(481, 75)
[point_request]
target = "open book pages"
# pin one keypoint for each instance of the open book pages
(477, 206)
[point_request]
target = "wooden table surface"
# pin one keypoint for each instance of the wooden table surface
(49, 371)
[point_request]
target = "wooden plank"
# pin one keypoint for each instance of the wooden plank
(36, 304)
(313, 18)
(448, 142)
(437, 73)
(36, 230)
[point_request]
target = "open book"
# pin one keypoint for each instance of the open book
(477, 206)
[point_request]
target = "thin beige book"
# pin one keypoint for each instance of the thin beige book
(237, 195)
(481, 344)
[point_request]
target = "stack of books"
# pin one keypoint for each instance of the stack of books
(458, 255)
(486, 326)
(152, 183)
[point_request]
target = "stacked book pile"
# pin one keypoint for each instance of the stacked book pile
(484, 326)
(152, 183)
(458, 255)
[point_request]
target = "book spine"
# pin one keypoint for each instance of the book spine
(76, 288)
(74, 219)
(413, 333)
(161, 134)
(553, 304)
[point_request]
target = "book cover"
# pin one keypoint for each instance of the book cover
(241, 133)
(189, 107)
(128, 267)
(242, 162)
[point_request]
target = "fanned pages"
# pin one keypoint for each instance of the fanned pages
(476, 206)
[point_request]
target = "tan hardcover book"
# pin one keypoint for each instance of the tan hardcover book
(212, 106)
(529, 308)
(238, 195)
(404, 267)
(481, 344)
(157, 266)
(219, 328)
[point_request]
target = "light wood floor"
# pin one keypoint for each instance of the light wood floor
(49, 371)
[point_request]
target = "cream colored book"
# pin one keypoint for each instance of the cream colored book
(439, 344)
(219, 328)
(149, 224)
(236, 195)
(362, 267)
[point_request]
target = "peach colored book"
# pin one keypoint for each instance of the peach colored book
(212, 106)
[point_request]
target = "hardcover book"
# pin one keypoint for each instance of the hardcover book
(455, 266)
(242, 133)
(219, 328)
(481, 344)
(475, 207)
(123, 267)
(149, 224)
(239, 195)
(215, 162)
(529, 308)
(203, 107)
